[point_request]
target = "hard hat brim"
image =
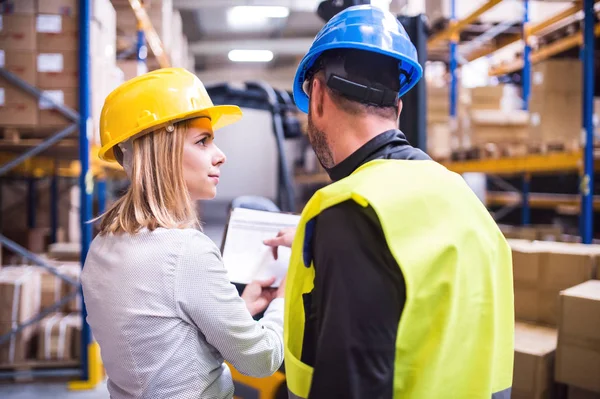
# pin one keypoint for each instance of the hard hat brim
(219, 115)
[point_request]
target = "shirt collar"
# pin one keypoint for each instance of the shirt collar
(367, 152)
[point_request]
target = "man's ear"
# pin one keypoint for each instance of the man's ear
(399, 107)
(317, 93)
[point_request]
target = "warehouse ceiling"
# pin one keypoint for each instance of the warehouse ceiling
(213, 31)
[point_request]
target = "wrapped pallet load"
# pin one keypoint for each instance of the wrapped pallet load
(59, 337)
(20, 298)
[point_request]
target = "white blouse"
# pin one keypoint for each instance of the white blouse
(165, 315)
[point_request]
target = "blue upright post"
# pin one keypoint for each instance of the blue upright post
(526, 58)
(101, 195)
(86, 184)
(31, 202)
(453, 64)
(525, 209)
(587, 186)
(53, 207)
(142, 52)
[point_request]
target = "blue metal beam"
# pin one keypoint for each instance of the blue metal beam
(31, 202)
(587, 186)
(86, 184)
(53, 207)
(54, 194)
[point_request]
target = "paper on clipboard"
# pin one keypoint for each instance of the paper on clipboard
(245, 256)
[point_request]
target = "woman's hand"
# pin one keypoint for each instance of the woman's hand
(259, 294)
(284, 238)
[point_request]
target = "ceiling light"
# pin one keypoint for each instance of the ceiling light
(250, 55)
(252, 12)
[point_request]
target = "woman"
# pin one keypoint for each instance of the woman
(158, 298)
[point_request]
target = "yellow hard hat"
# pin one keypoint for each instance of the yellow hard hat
(156, 99)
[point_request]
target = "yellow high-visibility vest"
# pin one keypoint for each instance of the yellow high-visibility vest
(455, 336)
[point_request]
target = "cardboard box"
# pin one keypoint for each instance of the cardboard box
(555, 118)
(557, 76)
(535, 348)
(494, 126)
(48, 116)
(20, 298)
(578, 353)
(18, 7)
(57, 33)
(72, 270)
(62, 7)
(59, 337)
(17, 108)
(578, 393)
(541, 270)
(19, 63)
(439, 140)
(17, 32)
(57, 70)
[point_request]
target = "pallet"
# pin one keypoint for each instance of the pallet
(511, 150)
(18, 134)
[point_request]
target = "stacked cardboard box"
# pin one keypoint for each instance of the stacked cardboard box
(542, 271)
(533, 371)
(495, 116)
(57, 38)
(59, 337)
(72, 270)
(498, 127)
(20, 298)
(106, 75)
(555, 103)
(578, 352)
(39, 42)
(442, 137)
(18, 55)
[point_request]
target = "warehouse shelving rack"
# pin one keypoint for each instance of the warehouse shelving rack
(585, 162)
(88, 372)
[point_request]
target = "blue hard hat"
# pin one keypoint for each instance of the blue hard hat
(367, 28)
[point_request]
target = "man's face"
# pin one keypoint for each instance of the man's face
(316, 136)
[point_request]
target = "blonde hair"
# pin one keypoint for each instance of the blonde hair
(157, 196)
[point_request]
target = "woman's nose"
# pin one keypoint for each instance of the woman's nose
(219, 157)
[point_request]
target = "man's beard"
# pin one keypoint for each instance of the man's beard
(318, 141)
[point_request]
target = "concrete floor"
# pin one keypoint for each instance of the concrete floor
(49, 391)
(59, 390)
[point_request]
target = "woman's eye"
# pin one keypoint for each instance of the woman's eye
(202, 141)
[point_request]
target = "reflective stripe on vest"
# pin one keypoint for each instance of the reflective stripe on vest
(455, 337)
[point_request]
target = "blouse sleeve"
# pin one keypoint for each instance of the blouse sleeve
(205, 298)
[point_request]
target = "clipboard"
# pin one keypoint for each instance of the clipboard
(244, 255)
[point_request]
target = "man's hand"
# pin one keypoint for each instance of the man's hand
(258, 295)
(284, 238)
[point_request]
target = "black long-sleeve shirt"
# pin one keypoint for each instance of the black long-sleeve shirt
(359, 292)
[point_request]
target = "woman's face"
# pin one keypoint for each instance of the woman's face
(201, 161)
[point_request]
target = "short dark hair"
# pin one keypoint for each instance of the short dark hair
(366, 68)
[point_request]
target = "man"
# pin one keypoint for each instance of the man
(400, 282)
